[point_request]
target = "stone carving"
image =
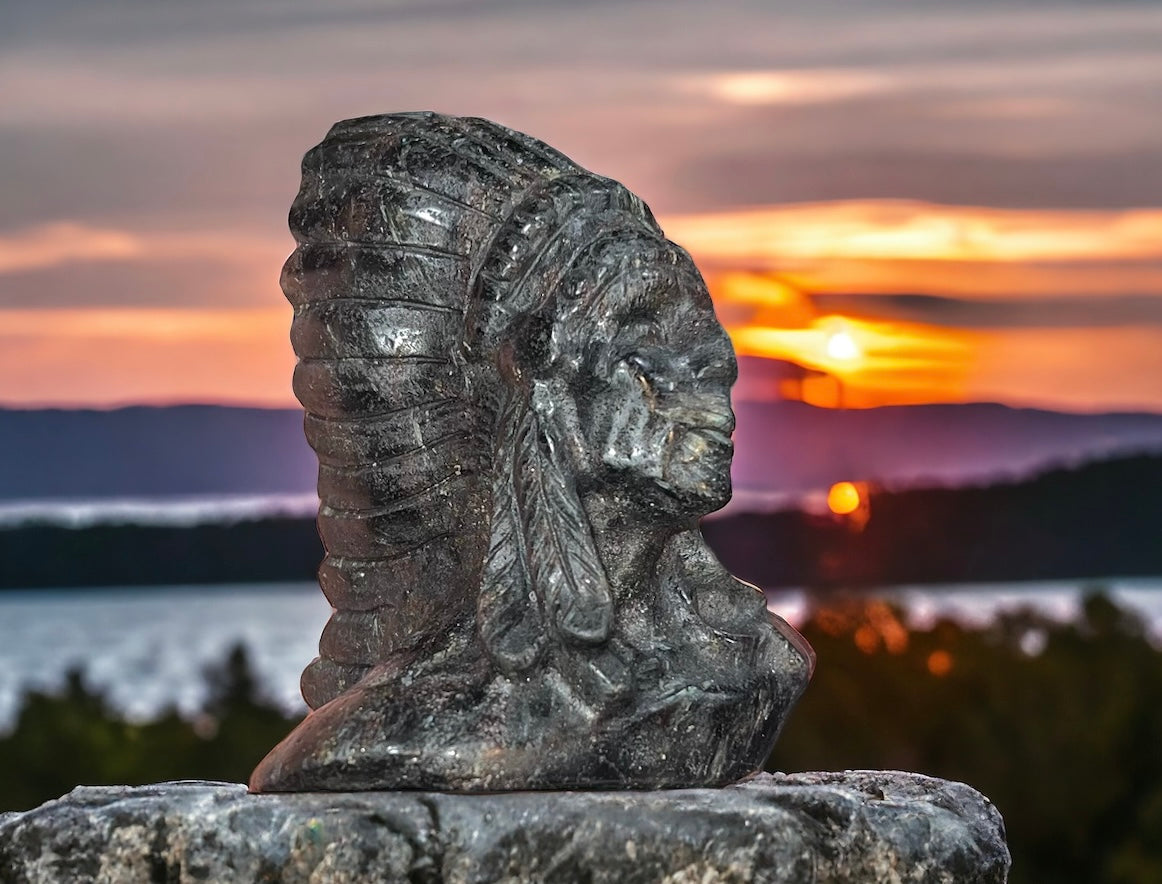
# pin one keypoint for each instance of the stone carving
(520, 399)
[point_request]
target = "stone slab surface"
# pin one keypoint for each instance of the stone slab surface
(865, 826)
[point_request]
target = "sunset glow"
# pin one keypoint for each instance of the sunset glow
(70, 242)
(829, 288)
(841, 346)
(843, 498)
(873, 364)
(788, 86)
(110, 356)
(898, 203)
(904, 230)
(64, 243)
(817, 286)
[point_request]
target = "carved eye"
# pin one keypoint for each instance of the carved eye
(643, 366)
(650, 372)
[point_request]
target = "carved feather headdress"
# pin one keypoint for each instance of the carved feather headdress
(427, 247)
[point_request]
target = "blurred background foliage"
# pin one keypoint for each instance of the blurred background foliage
(1060, 724)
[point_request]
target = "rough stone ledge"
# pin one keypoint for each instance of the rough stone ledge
(865, 826)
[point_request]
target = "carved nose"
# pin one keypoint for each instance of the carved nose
(717, 414)
(701, 412)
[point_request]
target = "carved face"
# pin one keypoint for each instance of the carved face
(653, 396)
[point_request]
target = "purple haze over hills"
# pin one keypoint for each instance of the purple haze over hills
(209, 458)
(786, 449)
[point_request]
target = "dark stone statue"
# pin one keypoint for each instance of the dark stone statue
(520, 399)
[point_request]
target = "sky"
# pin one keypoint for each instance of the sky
(949, 200)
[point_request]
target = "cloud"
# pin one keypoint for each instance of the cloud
(981, 313)
(950, 101)
(965, 279)
(907, 230)
(107, 357)
(66, 242)
(1084, 369)
(70, 264)
(168, 136)
(824, 158)
(786, 87)
(158, 324)
(51, 245)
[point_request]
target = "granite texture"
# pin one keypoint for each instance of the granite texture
(813, 827)
(519, 394)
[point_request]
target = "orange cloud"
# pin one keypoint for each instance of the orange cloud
(106, 357)
(68, 242)
(764, 268)
(65, 243)
(878, 363)
(148, 323)
(788, 87)
(1084, 369)
(990, 279)
(903, 230)
(848, 362)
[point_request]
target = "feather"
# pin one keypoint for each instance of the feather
(509, 614)
(566, 571)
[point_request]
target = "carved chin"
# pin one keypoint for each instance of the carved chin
(698, 471)
(699, 490)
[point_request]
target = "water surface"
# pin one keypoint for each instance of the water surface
(147, 648)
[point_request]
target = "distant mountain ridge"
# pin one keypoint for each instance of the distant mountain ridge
(144, 451)
(783, 449)
(791, 447)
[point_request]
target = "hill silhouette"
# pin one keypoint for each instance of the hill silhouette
(782, 448)
(1100, 519)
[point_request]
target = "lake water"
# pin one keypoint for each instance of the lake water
(148, 647)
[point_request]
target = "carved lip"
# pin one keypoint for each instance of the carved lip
(714, 436)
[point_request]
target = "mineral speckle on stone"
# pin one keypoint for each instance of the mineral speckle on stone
(831, 827)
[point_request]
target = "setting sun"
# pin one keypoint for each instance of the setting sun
(843, 498)
(883, 302)
(841, 345)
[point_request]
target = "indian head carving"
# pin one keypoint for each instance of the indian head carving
(520, 399)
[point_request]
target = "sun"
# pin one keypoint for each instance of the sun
(841, 345)
(843, 498)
